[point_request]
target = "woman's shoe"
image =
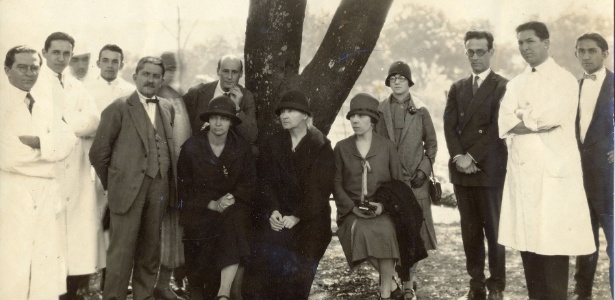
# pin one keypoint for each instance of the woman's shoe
(409, 294)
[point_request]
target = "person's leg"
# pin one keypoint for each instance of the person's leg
(236, 287)
(492, 203)
(123, 233)
(607, 227)
(195, 268)
(227, 275)
(555, 276)
(387, 271)
(585, 267)
(534, 275)
(472, 234)
(147, 255)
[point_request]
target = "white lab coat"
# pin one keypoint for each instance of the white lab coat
(32, 261)
(544, 207)
(74, 177)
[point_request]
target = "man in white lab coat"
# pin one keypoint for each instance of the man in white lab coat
(33, 138)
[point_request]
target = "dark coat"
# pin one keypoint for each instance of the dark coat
(299, 183)
(399, 203)
(198, 97)
(119, 151)
(471, 126)
(597, 172)
(202, 177)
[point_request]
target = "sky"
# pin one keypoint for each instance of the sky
(149, 27)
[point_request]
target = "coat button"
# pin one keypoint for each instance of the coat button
(462, 114)
(480, 131)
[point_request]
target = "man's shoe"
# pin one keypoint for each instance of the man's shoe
(495, 295)
(166, 294)
(575, 296)
(475, 294)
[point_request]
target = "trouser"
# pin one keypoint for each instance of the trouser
(73, 284)
(546, 276)
(135, 242)
(479, 208)
(586, 264)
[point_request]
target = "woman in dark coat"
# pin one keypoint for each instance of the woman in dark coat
(216, 181)
(296, 170)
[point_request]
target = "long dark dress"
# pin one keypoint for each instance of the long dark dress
(296, 183)
(214, 240)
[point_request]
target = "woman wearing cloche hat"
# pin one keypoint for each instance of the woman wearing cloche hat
(216, 180)
(364, 161)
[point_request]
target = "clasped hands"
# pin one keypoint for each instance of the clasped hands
(465, 164)
(222, 203)
(279, 222)
(377, 212)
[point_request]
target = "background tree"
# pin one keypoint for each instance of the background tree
(273, 51)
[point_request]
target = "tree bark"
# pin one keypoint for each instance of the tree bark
(273, 48)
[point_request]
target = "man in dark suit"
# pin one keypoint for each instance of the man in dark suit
(230, 69)
(133, 156)
(478, 164)
(595, 137)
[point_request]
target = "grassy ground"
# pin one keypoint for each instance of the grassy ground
(442, 274)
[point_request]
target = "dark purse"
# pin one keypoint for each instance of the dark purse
(435, 189)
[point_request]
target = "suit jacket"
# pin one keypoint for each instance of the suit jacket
(417, 144)
(471, 126)
(119, 151)
(198, 97)
(597, 173)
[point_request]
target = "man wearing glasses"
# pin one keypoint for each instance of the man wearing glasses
(32, 140)
(477, 165)
(230, 70)
(595, 139)
(405, 120)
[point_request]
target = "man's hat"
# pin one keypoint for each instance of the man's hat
(401, 68)
(296, 100)
(221, 106)
(363, 104)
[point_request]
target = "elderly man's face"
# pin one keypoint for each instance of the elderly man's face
(79, 65)
(58, 55)
(148, 80)
(24, 71)
(229, 73)
(110, 62)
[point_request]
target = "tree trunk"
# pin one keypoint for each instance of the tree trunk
(273, 48)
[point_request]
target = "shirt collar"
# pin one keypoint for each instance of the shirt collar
(601, 73)
(482, 75)
(17, 94)
(543, 67)
(143, 98)
(50, 73)
(219, 91)
(113, 82)
(406, 100)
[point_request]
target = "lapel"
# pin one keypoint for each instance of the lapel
(409, 119)
(577, 122)
(482, 94)
(374, 147)
(167, 121)
(139, 119)
(602, 107)
(385, 109)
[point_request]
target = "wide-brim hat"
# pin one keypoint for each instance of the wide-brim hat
(294, 99)
(363, 104)
(401, 68)
(221, 106)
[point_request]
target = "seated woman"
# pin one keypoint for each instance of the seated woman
(363, 162)
(296, 169)
(216, 181)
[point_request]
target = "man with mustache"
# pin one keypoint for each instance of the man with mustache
(133, 155)
(230, 70)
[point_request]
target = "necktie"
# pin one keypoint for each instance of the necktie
(475, 85)
(155, 101)
(30, 102)
(533, 69)
(589, 76)
(60, 78)
(228, 94)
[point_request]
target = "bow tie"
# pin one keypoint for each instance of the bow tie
(155, 101)
(589, 76)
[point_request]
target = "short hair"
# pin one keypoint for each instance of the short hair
(149, 60)
(10, 55)
(479, 34)
(540, 29)
(233, 57)
(114, 48)
(59, 36)
(600, 41)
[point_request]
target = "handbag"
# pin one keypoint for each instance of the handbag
(435, 189)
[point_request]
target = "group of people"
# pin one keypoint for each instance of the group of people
(144, 183)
